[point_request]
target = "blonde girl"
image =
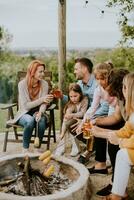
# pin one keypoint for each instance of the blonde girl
(101, 72)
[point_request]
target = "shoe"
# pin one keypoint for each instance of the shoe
(82, 159)
(92, 170)
(74, 152)
(39, 150)
(25, 151)
(60, 150)
(105, 191)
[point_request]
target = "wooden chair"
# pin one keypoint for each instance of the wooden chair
(18, 136)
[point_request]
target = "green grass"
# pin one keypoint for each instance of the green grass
(3, 118)
(57, 119)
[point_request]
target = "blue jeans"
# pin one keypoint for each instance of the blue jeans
(28, 122)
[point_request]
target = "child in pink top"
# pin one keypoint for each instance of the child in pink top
(101, 71)
(99, 93)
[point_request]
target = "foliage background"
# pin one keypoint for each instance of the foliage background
(11, 63)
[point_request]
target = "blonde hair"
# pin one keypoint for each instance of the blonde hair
(103, 69)
(128, 83)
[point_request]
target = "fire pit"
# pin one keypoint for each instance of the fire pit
(70, 180)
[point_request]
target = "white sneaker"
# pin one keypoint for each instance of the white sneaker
(25, 151)
(39, 150)
(60, 149)
(75, 150)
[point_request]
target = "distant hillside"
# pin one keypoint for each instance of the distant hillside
(48, 52)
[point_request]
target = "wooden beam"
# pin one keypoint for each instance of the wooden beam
(62, 47)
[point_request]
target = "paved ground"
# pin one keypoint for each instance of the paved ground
(98, 181)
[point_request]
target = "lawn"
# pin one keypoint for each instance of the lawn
(3, 117)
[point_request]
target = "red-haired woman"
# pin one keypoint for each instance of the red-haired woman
(33, 100)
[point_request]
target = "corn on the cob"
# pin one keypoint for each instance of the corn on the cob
(45, 155)
(49, 171)
(47, 160)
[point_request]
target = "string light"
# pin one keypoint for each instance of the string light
(86, 2)
(102, 11)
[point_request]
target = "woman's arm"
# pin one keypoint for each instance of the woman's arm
(110, 120)
(44, 93)
(95, 103)
(25, 102)
(100, 132)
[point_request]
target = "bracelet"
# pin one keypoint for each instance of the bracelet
(120, 142)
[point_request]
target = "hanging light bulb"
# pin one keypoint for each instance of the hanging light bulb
(102, 13)
(86, 2)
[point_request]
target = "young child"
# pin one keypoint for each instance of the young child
(101, 71)
(74, 109)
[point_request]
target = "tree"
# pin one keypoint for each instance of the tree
(5, 38)
(126, 9)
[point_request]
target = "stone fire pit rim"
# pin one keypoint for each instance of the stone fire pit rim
(77, 185)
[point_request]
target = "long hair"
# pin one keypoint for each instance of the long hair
(76, 88)
(115, 82)
(32, 68)
(103, 69)
(128, 84)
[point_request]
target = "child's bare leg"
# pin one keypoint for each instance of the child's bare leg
(63, 130)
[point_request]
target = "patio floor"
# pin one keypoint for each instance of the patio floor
(98, 181)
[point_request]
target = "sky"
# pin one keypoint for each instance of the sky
(34, 23)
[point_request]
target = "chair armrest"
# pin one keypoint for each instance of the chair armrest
(7, 106)
(9, 109)
(51, 107)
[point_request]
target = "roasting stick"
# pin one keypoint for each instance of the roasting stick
(47, 155)
(66, 141)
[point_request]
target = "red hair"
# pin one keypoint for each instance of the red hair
(32, 68)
